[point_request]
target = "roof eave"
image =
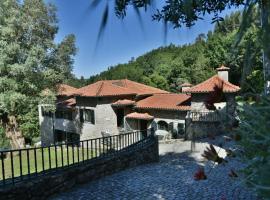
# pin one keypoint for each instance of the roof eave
(205, 92)
(158, 108)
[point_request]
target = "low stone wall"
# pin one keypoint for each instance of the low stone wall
(46, 185)
(203, 129)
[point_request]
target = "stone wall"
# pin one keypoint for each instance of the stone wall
(46, 185)
(197, 129)
(46, 128)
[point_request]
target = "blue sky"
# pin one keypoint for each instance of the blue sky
(122, 39)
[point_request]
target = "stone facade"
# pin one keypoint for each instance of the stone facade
(225, 116)
(105, 120)
(46, 185)
(197, 129)
(172, 118)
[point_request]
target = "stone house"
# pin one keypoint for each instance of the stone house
(111, 107)
(106, 108)
(213, 106)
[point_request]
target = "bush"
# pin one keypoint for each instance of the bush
(255, 141)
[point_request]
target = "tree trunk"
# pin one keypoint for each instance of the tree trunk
(265, 9)
(14, 134)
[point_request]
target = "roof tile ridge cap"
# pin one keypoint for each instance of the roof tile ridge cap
(199, 84)
(125, 88)
(100, 88)
(125, 82)
(144, 85)
(228, 83)
(86, 86)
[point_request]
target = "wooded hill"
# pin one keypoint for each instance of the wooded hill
(168, 67)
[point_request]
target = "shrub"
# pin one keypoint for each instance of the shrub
(255, 141)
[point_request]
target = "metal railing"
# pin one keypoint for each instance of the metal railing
(210, 116)
(21, 164)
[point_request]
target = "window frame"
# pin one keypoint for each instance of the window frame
(83, 118)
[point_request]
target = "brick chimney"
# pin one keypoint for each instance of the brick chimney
(185, 86)
(223, 72)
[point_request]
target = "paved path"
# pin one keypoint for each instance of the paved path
(170, 179)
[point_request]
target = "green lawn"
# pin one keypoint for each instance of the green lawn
(55, 157)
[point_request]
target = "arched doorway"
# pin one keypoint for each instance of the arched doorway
(162, 125)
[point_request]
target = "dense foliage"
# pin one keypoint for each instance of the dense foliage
(255, 142)
(4, 142)
(30, 61)
(168, 67)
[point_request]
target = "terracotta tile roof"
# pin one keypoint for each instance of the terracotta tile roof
(124, 102)
(211, 83)
(117, 88)
(165, 102)
(223, 68)
(69, 102)
(65, 90)
(142, 89)
(144, 116)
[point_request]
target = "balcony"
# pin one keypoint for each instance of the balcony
(205, 116)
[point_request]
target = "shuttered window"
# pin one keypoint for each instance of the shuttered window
(87, 115)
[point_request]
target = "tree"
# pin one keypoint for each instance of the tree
(30, 61)
(179, 13)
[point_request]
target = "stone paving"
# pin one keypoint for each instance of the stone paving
(170, 179)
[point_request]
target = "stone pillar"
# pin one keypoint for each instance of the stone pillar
(231, 109)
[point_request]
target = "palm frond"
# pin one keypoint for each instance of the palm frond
(103, 24)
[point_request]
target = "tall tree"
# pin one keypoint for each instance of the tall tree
(179, 13)
(27, 54)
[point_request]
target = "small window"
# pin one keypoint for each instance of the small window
(87, 115)
(162, 125)
(46, 113)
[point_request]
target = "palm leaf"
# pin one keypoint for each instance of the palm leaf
(103, 24)
(139, 16)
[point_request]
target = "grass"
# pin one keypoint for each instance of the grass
(52, 159)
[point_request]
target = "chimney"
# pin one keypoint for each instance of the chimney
(185, 86)
(223, 72)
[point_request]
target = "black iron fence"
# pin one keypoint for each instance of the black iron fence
(20, 164)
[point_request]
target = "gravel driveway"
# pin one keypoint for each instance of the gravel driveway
(171, 178)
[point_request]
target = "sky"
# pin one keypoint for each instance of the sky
(122, 39)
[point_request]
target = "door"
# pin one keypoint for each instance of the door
(143, 128)
(120, 117)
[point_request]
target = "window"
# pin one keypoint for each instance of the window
(120, 117)
(162, 125)
(64, 114)
(87, 115)
(46, 113)
(181, 128)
